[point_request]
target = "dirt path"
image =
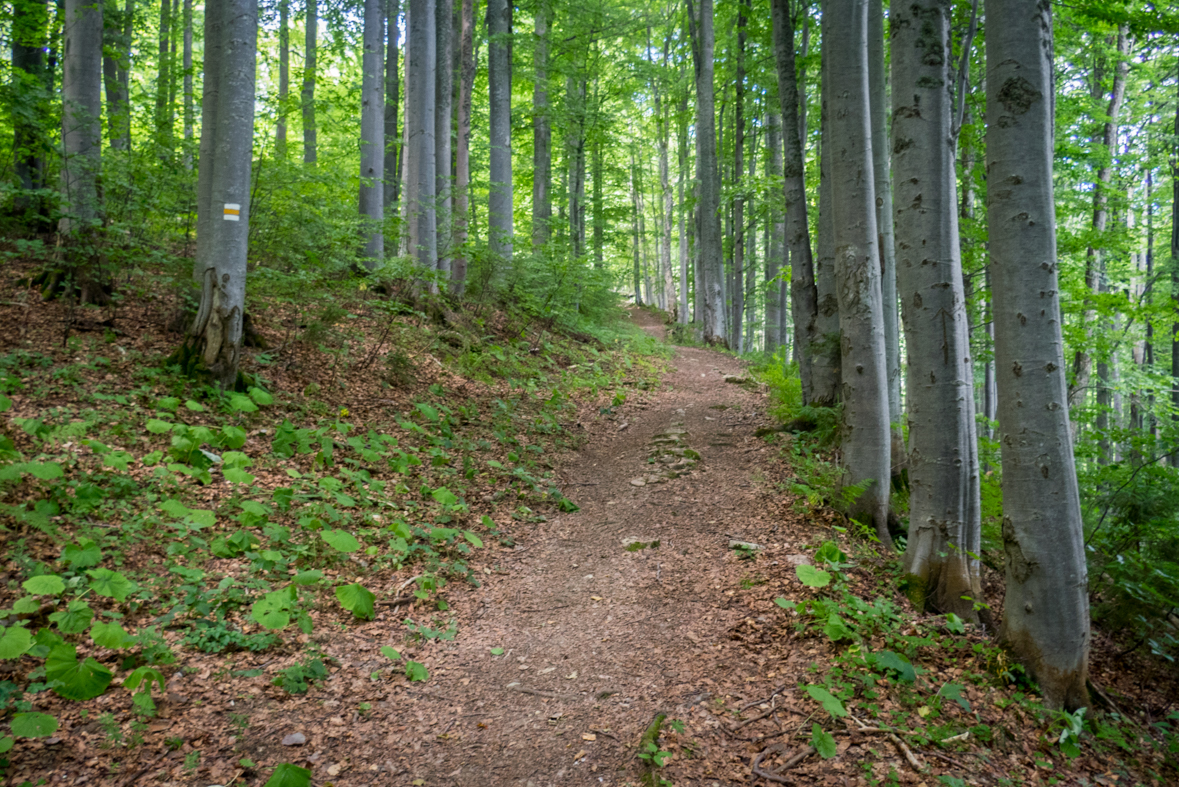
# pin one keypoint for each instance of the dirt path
(597, 639)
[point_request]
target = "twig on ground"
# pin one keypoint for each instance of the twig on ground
(773, 694)
(552, 695)
(759, 717)
(947, 758)
(778, 748)
(603, 732)
(396, 602)
(900, 744)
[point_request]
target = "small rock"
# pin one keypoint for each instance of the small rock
(295, 739)
(735, 544)
(333, 769)
(798, 560)
(622, 426)
(637, 482)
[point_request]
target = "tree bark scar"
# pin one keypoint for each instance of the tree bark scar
(1018, 566)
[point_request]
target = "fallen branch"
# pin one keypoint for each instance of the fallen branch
(900, 744)
(551, 695)
(778, 748)
(396, 602)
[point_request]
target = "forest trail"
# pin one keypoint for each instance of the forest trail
(597, 639)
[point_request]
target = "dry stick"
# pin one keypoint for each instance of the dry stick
(775, 777)
(750, 721)
(396, 602)
(773, 694)
(538, 693)
(900, 744)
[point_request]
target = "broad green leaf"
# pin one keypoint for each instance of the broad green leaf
(46, 471)
(837, 629)
(261, 397)
(7, 742)
(26, 605)
(823, 741)
(33, 725)
(308, 577)
(44, 585)
(416, 672)
(474, 539)
(340, 540)
(169, 403)
(119, 460)
(428, 411)
(156, 426)
(174, 508)
(15, 642)
(195, 406)
(109, 583)
(5, 403)
(497, 651)
(72, 679)
(812, 577)
(74, 619)
(955, 624)
(785, 603)
(390, 653)
(288, 775)
(444, 496)
(144, 676)
(356, 599)
(237, 475)
(830, 703)
(84, 554)
(110, 635)
(887, 659)
(242, 403)
(233, 436)
(830, 552)
(953, 691)
(272, 611)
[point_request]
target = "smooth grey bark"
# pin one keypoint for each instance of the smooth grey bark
(666, 214)
(284, 75)
(776, 240)
(866, 433)
(189, 109)
(392, 108)
(878, 97)
(115, 62)
(462, 158)
(824, 341)
(1094, 256)
(1046, 611)
(574, 174)
(1175, 283)
(941, 567)
(210, 105)
(637, 210)
(217, 330)
(599, 218)
(443, 134)
(738, 300)
(499, 80)
(709, 249)
(371, 202)
(81, 117)
(310, 52)
(163, 116)
(542, 135)
(804, 297)
(421, 177)
(681, 206)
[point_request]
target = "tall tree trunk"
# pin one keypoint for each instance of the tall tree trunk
(189, 109)
(599, 206)
(1175, 281)
(776, 240)
(664, 120)
(172, 52)
(458, 271)
(804, 296)
(372, 136)
(310, 47)
(163, 118)
(711, 258)
(751, 255)
(866, 438)
(421, 179)
(30, 23)
(825, 344)
(1046, 612)
(682, 156)
(443, 133)
(284, 75)
(878, 99)
(575, 95)
(232, 28)
(634, 201)
(203, 259)
(941, 569)
(738, 333)
(81, 124)
(392, 108)
(542, 135)
(1094, 265)
(499, 80)
(114, 51)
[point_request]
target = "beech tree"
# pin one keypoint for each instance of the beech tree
(499, 80)
(866, 434)
(1046, 609)
(231, 27)
(542, 152)
(824, 340)
(421, 179)
(372, 135)
(708, 180)
(462, 158)
(941, 564)
(443, 120)
(310, 53)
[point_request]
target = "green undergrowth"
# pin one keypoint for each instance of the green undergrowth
(939, 684)
(148, 520)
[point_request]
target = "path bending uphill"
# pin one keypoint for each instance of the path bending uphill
(610, 615)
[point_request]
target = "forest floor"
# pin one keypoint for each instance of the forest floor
(670, 594)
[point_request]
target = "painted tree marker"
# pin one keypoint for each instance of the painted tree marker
(233, 211)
